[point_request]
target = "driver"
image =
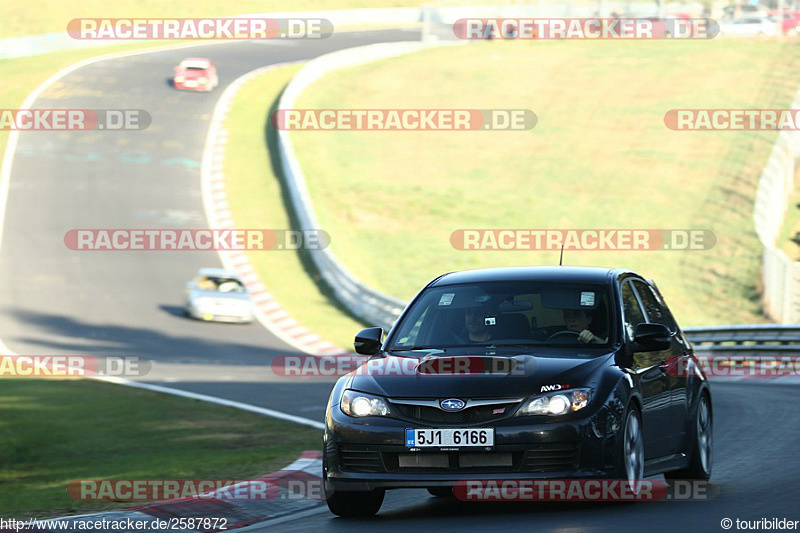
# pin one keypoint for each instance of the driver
(474, 321)
(578, 320)
(206, 284)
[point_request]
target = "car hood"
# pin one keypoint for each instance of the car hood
(529, 375)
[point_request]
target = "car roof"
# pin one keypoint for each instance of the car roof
(217, 273)
(532, 273)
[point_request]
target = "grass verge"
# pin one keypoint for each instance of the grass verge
(257, 200)
(600, 157)
(53, 432)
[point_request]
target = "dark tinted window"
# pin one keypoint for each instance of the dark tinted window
(656, 312)
(631, 308)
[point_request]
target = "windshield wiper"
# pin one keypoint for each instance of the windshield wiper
(512, 344)
(500, 345)
(417, 349)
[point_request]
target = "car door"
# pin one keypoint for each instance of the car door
(191, 286)
(649, 371)
(677, 358)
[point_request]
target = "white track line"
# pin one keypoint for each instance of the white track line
(218, 401)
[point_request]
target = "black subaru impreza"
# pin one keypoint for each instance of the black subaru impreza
(519, 373)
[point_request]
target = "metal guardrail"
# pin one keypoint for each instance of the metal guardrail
(756, 339)
(370, 305)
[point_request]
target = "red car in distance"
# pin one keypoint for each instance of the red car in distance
(791, 19)
(195, 74)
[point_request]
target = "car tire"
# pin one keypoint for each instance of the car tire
(700, 455)
(355, 503)
(630, 450)
(441, 492)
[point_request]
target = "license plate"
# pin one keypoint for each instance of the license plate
(436, 438)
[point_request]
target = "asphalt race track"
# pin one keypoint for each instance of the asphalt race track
(58, 301)
(755, 470)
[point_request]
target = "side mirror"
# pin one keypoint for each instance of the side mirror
(368, 341)
(651, 337)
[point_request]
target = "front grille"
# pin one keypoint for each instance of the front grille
(423, 460)
(454, 462)
(535, 458)
(365, 460)
(471, 415)
(551, 457)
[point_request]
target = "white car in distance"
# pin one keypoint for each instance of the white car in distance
(219, 295)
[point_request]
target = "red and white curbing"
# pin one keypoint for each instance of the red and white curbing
(306, 470)
(269, 311)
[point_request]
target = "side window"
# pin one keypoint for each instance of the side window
(631, 309)
(656, 312)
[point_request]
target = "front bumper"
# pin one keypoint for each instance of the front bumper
(192, 85)
(212, 314)
(365, 454)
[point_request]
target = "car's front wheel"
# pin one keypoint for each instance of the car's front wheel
(630, 451)
(354, 503)
(700, 459)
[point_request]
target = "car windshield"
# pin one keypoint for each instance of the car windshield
(517, 314)
(219, 284)
(194, 65)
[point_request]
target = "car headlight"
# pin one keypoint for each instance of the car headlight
(557, 403)
(358, 404)
(203, 79)
(179, 79)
